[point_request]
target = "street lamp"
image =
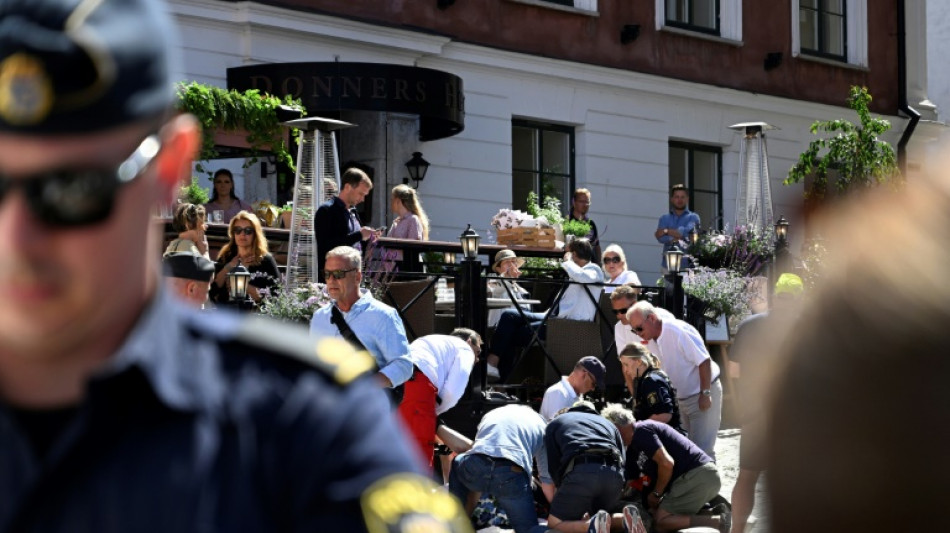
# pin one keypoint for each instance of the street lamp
(781, 229)
(674, 289)
(417, 168)
(674, 260)
(238, 279)
(469, 240)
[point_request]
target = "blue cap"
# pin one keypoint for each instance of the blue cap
(74, 66)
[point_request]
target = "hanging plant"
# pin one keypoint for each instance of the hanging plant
(220, 109)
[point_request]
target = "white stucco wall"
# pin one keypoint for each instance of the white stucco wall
(623, 120)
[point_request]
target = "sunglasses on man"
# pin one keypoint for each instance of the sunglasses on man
(80, 197)
(337, 274)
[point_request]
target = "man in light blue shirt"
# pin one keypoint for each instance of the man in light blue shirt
(377, 326)
(500, 463)
(676, 225)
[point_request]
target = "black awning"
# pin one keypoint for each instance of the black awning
(434, 95)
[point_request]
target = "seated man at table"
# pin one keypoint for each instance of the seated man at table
(361, 319)
(577, 303)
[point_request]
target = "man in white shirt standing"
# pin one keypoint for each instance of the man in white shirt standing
(589, 373)
(694, 374)
(443, 364)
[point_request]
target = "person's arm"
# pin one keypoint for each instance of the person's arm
(664, 472)
(705, 383)
(582, 274)
(552, 457)
(663, 230)
(393, 344)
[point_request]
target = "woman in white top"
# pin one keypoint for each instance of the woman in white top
(615, 266)
(507, 265)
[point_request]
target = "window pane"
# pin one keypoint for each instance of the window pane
(808, 26)
(834, 6)
(705, 171)
(809, 3)
(676, 10)
(524, 148)
(707, 207)
(678, 163)
(703, 13)
(521, 184)
(833, 34)
(556, 152)
(556, 187)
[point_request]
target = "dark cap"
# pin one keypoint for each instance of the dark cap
(73, 66)
(596, 368)
(188, 266)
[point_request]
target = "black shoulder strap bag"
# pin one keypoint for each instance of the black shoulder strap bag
(336, 317)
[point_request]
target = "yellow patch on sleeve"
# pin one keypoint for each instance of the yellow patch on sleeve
(345, 362)
(408, 503)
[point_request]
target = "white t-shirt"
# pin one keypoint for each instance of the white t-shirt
(681, 350)
(557, 397)
(447, 361)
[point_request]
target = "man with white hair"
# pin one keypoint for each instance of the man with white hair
(691, 370)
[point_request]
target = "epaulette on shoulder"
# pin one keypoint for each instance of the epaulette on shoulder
(333, 356)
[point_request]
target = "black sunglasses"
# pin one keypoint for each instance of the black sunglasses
(621, 311)
(246, 230)
(337, 274)
(73, 198)
(637, 329)
(611, 260)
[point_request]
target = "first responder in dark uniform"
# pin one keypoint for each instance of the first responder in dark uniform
(653, 394)
(120, 410)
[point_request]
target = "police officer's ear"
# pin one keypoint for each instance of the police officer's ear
(180, 141)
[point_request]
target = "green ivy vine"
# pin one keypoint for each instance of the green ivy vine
(230, 110)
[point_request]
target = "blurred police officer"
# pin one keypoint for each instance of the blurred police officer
(120, 411)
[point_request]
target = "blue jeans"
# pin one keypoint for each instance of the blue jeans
(508, 483)
(511, 334)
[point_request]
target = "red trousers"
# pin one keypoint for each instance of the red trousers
(418, 413)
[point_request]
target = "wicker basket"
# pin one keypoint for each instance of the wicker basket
(536, 237)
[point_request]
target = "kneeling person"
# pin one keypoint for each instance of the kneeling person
(681, 478)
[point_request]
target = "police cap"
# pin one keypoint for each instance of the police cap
(188, 266)
(73, 66)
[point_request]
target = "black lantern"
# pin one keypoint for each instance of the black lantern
(417, 168)
(693, 236)
(674, 260)
(469, 240)
(237, 283)
(781, 229)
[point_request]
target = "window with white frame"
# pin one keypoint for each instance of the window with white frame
(542, 161)
(699, 168)
(720, 18)
(835, 30)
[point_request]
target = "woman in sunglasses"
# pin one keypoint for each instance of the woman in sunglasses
(223, 197)
(615, 266)
(190, 223)
(654, 398)
(248, 247)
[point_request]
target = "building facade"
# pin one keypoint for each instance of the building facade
(622, 98)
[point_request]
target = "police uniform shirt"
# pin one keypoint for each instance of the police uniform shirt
(213, 422)
(655, 397)
(575, 432)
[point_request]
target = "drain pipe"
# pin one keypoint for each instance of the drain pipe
(903, 105)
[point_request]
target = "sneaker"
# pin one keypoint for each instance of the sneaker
(631, 520)
(600, 523)
(493, 372)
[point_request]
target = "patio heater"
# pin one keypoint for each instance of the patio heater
(316, 161)
(754, 192)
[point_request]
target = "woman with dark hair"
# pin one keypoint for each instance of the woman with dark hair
(247, 246)
(223, 197)
(654, 398)
(190, 223)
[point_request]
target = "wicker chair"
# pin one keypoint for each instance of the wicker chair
(419, 319)
(569, 340)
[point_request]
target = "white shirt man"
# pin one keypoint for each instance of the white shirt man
(693, 374)
(588, 374)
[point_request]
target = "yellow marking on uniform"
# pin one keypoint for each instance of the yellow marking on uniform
(347, 363)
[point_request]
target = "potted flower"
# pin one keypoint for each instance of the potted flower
(286, 213)
(721, 291)
(193, 193)
(297, 305)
